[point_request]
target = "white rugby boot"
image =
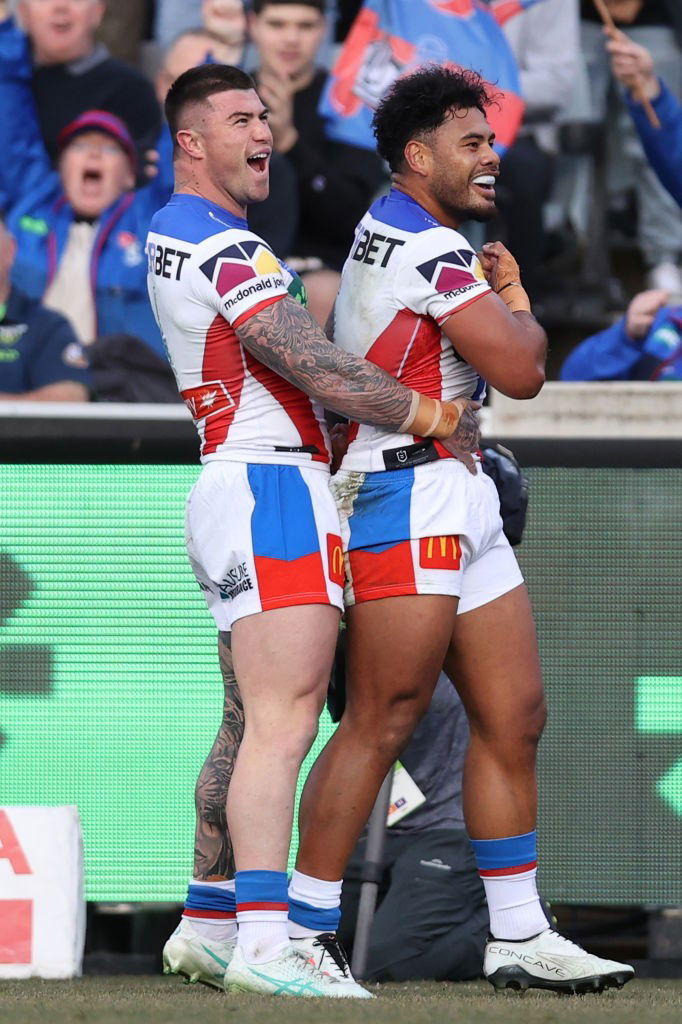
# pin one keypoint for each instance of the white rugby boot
(196, 957)
(325, 952)
(550, 961)
(289, 974)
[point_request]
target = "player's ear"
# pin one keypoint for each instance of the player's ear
(418, 157)
(190, 142)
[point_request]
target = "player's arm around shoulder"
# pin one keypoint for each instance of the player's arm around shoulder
(498, 334)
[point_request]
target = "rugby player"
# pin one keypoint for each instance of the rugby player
(262, 528)
(431, 579)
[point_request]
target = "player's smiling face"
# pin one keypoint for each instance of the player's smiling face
(237, 144)
(464, 166)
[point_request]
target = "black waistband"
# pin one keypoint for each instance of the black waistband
(410, 455)
(308, 449)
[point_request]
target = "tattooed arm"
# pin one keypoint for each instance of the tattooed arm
(285, 337)
(466, 438)
(213, 855)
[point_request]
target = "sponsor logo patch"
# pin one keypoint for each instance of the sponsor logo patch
(207, 398)
(237, 264)
(440, 552)
(236, 581)
(453, 270)
(335, 559)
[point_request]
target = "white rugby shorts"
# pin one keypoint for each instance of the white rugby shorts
(433, 529)
(261, 537)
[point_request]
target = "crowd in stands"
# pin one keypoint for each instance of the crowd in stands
(88, 160)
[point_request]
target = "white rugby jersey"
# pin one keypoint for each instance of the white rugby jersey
(208, 273)
(405, 275)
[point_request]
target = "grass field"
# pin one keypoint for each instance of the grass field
(124, 1000)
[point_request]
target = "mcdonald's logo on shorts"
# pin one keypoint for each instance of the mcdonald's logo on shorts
(439, 552)
(335, 559)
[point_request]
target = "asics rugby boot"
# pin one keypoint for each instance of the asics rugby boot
(326, 953)
(196, 957)
(289, 974)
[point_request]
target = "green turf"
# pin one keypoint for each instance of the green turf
(124, 1000)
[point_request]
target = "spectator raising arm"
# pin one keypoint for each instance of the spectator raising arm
(25, 164)
(633, 67)
(622, 351)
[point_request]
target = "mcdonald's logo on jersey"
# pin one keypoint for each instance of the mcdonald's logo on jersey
(335, 559)
(440, 552)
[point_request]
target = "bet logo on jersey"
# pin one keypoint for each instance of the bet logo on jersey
(233, 266)
(453, 270)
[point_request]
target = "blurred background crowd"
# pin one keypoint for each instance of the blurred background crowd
(86, 161)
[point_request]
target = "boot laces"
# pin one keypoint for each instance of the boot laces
(330, 945)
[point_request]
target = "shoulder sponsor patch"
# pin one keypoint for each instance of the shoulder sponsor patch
(239, 263)
(452, 270)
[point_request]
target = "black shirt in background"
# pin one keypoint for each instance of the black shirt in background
(336, 182)
(98, 82)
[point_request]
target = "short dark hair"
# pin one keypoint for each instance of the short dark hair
(420, 103)
(197, 85)
(258, 6)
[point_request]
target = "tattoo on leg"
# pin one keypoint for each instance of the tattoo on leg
(213, 854)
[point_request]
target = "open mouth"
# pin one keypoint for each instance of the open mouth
(485, 184)
(259, 162)
(91, 180)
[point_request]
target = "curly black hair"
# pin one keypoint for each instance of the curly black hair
(420, 103)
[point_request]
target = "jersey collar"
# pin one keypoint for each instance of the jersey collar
(219, 212)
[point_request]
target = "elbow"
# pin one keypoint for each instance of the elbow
(535, 386)
(528, 386)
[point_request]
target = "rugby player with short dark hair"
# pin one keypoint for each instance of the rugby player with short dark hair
(262, 528)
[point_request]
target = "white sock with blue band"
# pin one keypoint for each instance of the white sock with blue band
(508, 868)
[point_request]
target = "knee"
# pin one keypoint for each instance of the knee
(516, 735)
(387, 729)
(300, 734)
(291, 737)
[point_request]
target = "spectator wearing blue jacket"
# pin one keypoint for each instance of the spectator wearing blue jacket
(80, 231)
(40, 359)
(633, 66)
(646, 344)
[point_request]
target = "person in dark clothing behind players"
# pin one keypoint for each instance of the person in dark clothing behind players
(40, 357)
(73, 73)
(336, 181)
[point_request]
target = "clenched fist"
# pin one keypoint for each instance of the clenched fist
(503, 275)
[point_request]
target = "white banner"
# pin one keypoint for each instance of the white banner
(42, 908)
